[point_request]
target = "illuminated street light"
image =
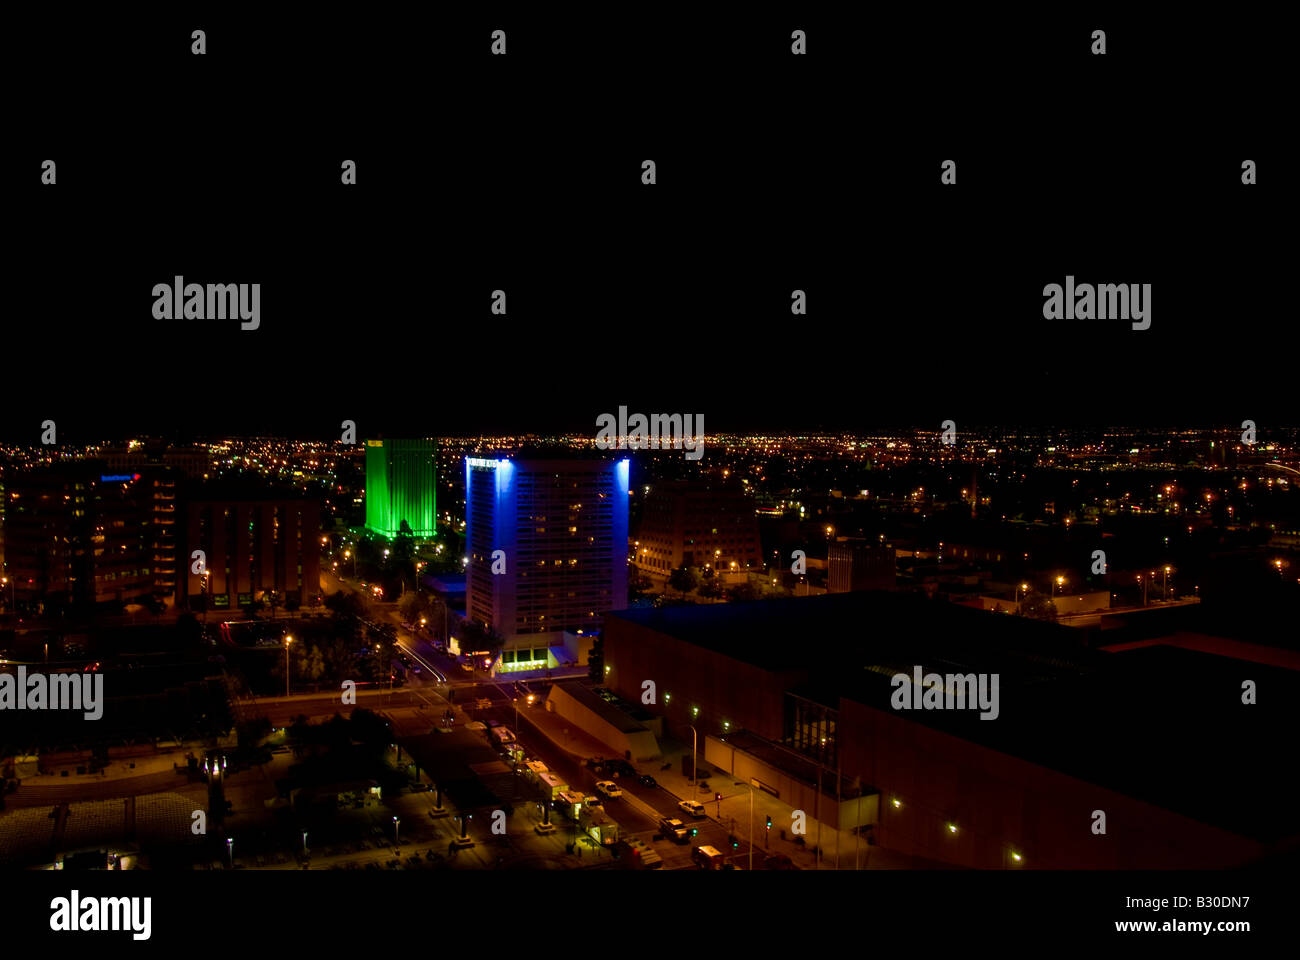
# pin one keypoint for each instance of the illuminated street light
(287, 641)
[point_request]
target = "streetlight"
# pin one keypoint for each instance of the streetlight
(1060, 582)
(396, 823)
(751, 824)
(287, 640)
(1024, 587)
(1166, 583)
(695, 740)
(230, 851)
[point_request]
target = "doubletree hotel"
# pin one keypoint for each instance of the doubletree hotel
(399, 486)
(547, 552)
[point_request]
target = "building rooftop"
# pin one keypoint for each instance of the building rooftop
(1155, 722)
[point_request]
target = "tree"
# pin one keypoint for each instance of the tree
(189, 632)
(403, 553)
(637, 585)
(683, 580)
(382, 637)
(742, 593)
(1038, 606)
(711, 586)
(412, 607)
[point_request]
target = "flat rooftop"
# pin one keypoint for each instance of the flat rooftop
(1160, 723)
(581, 691)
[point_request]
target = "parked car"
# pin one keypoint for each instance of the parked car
(692, 807)
(609, 788)
(779, 861)
(594, 802)
(647, 781)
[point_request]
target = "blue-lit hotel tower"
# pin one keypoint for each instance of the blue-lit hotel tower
(561, 529)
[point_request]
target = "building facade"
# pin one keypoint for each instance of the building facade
(697, 524)
(77, 536)
(546, 544)
(253, 549)
(859, 564)
(400, 487)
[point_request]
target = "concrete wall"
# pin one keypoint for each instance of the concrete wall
(1001, 804)
(790, 790)
(686, 675)
(640, 742)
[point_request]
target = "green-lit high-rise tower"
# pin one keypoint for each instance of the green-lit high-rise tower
(399, 486)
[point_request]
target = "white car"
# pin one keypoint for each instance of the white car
(692, 807)
(609, 788)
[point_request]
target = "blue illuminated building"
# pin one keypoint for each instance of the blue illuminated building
(546, 548)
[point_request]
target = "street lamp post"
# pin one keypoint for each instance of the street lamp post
(751, 824)
(1166, 583)
(230, 851)
(396, 839)
(287, 641)
(695, 740)
(1023, 588)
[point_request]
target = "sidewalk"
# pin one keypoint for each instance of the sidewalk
(735, 805)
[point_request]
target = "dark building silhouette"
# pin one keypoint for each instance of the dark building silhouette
(697, 524)
(77, 536)
(793, 691)
(256, 547)
(860, 564)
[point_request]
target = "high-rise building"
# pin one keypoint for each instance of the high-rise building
(400, 486)
(78, 536)
(546, 543)
(698, 524)
(254, 547)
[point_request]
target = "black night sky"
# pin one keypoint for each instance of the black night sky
(924, 301)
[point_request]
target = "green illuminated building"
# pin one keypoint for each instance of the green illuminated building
(399, 486)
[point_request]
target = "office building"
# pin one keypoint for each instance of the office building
(546, 544)
(256, 548)
(698, 524)
(400, 487)
(77, 536)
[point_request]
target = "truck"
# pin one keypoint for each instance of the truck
(552, 786)
(708, 858)
(642, 856)
(500, 736)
